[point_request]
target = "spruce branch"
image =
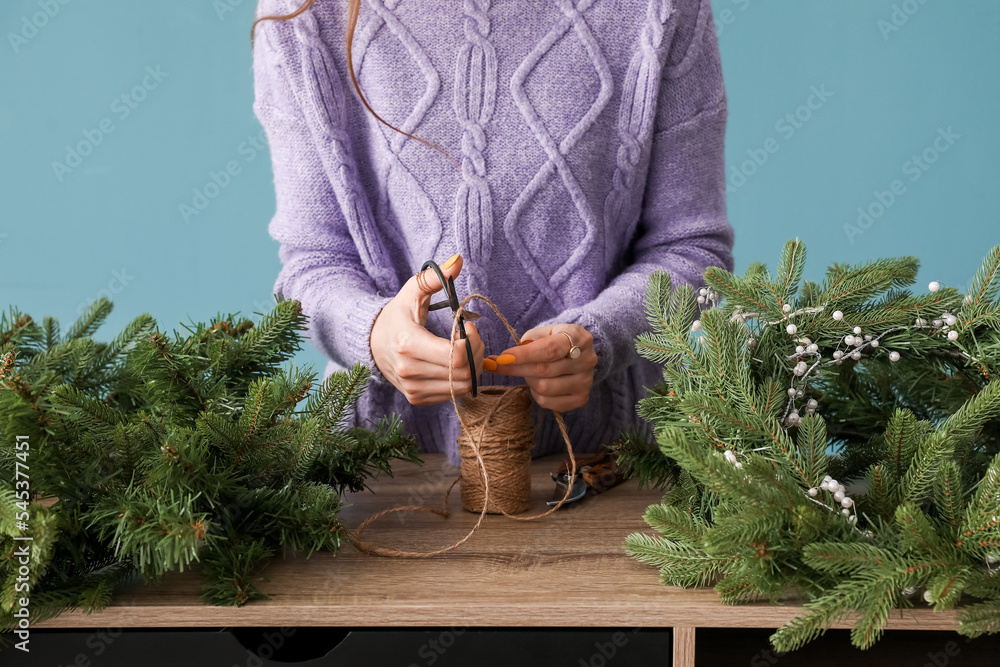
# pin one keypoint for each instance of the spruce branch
(160, 452)
(784, 384)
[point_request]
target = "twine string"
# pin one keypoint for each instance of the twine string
(476, 445)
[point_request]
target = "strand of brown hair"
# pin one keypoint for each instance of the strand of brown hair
(353, 10)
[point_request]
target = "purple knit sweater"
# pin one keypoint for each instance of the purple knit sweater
(592, 133)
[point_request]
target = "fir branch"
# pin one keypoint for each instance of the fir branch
(674, 523)
(139, 442)
(918, 430)
(810, 449)
(276, 335)
(233, 572)
(307, 445)
(640, 457)
(985, 287)
(90, 320)
(846, 558)
(980, 619)
(338, 395)
(679, 564)
(875, 610)
(955, 430)
(819, 614)
(901, 438)
(948, 497)
(855, 285)
(256, 410)
(881, 498)
(134, 331)
(741, 293)
(737, 587)
(946, 589)
(790, 269)
(50, 326)
(91, 412)
(224, 433)
(986, 502)
(17, 328)
(919, 535)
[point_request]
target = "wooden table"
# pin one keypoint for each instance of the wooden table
(509, 573)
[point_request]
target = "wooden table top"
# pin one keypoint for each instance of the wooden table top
(568, 569)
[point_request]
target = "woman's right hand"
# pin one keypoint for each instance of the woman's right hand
(413, 359)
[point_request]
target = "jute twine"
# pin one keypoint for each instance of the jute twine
(505, 449)
(499, 450)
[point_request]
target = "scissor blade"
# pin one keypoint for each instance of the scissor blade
(579, 490)
(470, 316)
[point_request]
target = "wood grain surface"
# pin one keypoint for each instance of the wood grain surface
(684, 647)
(568, 569)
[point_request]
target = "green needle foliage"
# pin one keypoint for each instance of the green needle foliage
(755, 418)
(153, 451)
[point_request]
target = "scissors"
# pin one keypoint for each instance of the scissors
(449, 289)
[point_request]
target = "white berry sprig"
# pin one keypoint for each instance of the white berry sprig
(840, 498)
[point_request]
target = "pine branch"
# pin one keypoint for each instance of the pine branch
(679, 564)
(948, 497)
(91, 412)
(233, 573)
(338, 394)
(159, 451)
(910, 419)
(276, 337)
(985, 287)
(980, 619)
(790, 269)
(810, 449)
(90, 320)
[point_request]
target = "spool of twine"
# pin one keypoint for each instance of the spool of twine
(500, 418)
(495, 444)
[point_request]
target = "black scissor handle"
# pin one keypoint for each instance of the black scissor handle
(448, 285)
(449, 288)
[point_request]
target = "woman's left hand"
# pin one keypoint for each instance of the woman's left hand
(557, 382)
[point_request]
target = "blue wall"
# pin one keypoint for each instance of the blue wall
(833, 106)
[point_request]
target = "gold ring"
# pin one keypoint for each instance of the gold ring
(422, 283)
(574, 351)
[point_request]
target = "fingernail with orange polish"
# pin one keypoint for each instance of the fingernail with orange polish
(505, 359)
(489, 365)
(525, 341)
(451, 260)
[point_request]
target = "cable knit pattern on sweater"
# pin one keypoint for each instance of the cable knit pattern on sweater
(591, 133)
(475, 97)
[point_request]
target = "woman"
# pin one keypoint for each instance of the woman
(591, 136)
